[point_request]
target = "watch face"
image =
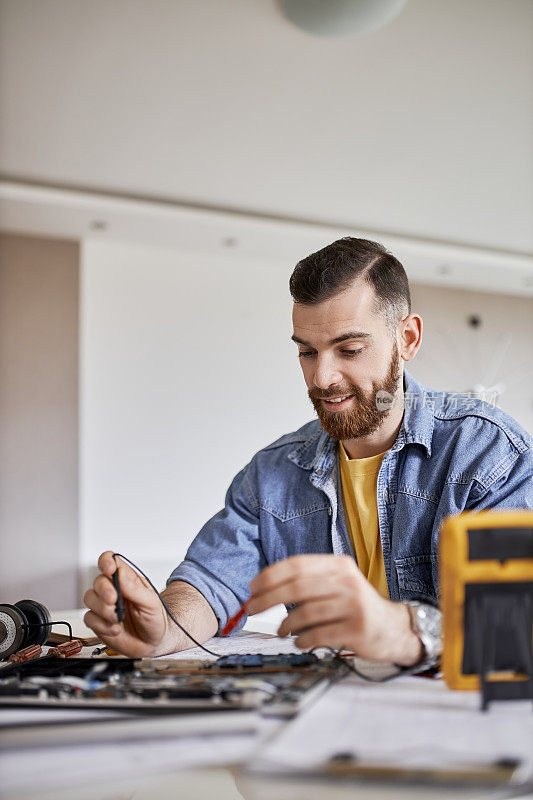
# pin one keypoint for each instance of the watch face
(429, 623)
(429, 620)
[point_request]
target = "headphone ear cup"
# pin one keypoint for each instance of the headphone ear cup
(12, 630)
(38, 618)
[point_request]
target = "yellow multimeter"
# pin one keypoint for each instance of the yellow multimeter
(486, 584)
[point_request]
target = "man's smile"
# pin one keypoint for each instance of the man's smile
(337, 403)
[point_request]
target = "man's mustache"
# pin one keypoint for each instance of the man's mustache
(313, 394)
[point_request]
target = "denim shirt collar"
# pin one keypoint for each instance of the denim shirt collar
(418, 419)
(318, 450)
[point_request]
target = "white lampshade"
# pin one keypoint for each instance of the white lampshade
(341, 17)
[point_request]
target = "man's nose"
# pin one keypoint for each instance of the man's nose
(326, 373)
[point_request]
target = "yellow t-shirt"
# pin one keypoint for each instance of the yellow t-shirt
(359, 493)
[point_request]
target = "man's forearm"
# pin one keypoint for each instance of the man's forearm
(192, 611)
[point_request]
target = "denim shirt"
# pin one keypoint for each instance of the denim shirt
(453, 453)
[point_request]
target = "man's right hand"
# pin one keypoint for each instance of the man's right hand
(145, 626)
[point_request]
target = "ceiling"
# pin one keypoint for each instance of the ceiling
(423, 128)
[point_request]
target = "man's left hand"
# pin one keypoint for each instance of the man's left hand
(336, 607)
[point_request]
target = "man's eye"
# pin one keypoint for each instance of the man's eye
(309, 353)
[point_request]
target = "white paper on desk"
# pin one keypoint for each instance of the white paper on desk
(240, 643)
(411, 721)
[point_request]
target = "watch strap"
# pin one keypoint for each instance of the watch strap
(426, 624)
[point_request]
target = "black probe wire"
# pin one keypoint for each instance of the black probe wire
(369, 678)
(402, 672)
(49, 625)
(167, 609)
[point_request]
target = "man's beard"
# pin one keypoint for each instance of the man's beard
(366, 412)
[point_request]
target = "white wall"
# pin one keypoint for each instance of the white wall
(455, 356)
(187, 369)
(38, 420)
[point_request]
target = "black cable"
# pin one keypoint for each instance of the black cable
(46, 624)
(368, 678)
(170, 614)
(426, 672)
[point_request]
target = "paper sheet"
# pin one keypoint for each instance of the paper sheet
(241, 642)
(410, 721)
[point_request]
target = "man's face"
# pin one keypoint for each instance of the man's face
(346, 351)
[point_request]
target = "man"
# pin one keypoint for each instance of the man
(339, 520)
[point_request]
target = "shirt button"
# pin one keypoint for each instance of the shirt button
(318, 472)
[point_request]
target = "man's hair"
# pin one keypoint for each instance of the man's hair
(329, 271)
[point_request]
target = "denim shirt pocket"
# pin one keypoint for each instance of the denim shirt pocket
(294, 529)
(418, 577)
(289, 513)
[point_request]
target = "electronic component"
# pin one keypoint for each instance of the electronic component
(486, 579)
(59, 638)
(274, 683)
(67, 649)
(26, 654)
(278, 661)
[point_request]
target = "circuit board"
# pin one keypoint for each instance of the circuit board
(275, 684)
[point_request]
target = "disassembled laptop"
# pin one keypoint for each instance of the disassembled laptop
(277, 684)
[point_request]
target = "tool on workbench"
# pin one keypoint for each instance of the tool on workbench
(486, 580)
(66, 649)
(26, 654)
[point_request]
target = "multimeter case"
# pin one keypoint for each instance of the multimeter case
(486, 584)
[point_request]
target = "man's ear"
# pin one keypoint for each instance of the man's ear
(410, 336)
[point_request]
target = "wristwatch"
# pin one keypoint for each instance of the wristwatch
(426, 622)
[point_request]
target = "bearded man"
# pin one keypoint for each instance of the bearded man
(340, 519)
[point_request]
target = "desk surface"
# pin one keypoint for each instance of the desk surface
(209, 765)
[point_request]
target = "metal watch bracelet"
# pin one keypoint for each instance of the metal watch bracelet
(426, 623)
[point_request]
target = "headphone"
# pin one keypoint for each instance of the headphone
(25, 623)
